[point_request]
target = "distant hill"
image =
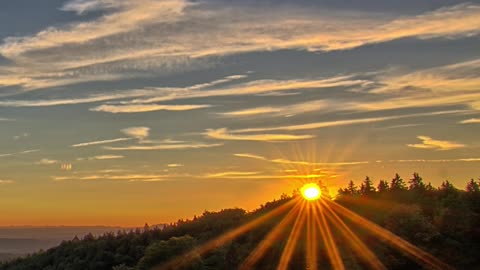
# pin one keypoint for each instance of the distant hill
(443, 221)
(7, 256)
(22, 240)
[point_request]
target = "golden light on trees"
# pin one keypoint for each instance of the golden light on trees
(320, 222)
(312, 221)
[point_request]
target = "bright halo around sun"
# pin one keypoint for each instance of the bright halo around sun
(311, 192)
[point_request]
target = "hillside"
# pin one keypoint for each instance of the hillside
(443, 221)
(20, 240)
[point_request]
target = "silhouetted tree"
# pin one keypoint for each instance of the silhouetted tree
(352, 188)
(429, 187)
(397, 183)
(366, 188)
(473, 186)
(383, 186)
(416, 183)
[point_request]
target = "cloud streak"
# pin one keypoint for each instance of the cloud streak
(429, 143)
(223, 134)
(288, 110)
(124, 177)
(230, 174)
(20, 153)
(4, 182)
(170, 37)
(470, 121)
(102, 157)
(101, 142)
(298, 162)
(139, 133)
(173, 146)
(46, 161)
(146, 108)
(338, 123)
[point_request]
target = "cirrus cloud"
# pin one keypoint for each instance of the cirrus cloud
(176, 35)
(429, 143)
(224, 134)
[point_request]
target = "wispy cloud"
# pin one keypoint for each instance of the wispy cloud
(261, 175)
(101, 142)
(299, 162)
(429, 143)
(252, 112)
(223, 134)
(83, 6)
(316, 125)
(430, 160)
(139, 133)
(230, 174)
(5, 119)
(72, 101)
(146, 108)
(108, 157)
(470, 121)
(20, 153)
(288, 110)
(250, 88)
(160, 94)
(454, 84)
(337, 123)
(459, 77)
(144, 100)
(4, 182)
(116, 177)
(173, 146)
(46, 161)
(174, 165)
(170, 40)
(102, 157)
(137, 14)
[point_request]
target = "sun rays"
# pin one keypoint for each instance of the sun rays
(318, 224)
(310, 221)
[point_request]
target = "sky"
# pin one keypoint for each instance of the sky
(121, 112)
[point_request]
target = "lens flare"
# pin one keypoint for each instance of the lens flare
(311, 192)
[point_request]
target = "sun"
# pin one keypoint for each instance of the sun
(311, 192)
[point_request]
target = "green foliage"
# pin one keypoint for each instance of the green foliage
(161, 251)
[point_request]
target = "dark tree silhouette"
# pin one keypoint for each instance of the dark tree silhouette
(397, 184)
(416, 183)
(366, 188)
(383, 186)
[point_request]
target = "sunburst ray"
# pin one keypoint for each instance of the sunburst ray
(271, 237)
(365, 254)
(389, 237)
(185, 259)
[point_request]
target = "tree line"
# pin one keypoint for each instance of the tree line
(443, 220)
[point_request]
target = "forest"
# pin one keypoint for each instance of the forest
(443, 221)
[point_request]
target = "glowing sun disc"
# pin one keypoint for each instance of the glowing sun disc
(311, 192)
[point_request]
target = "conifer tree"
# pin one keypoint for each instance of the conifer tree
(383, 186)
(397, 183)
(367, 187)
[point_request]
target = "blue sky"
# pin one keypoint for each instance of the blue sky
(127, 104)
